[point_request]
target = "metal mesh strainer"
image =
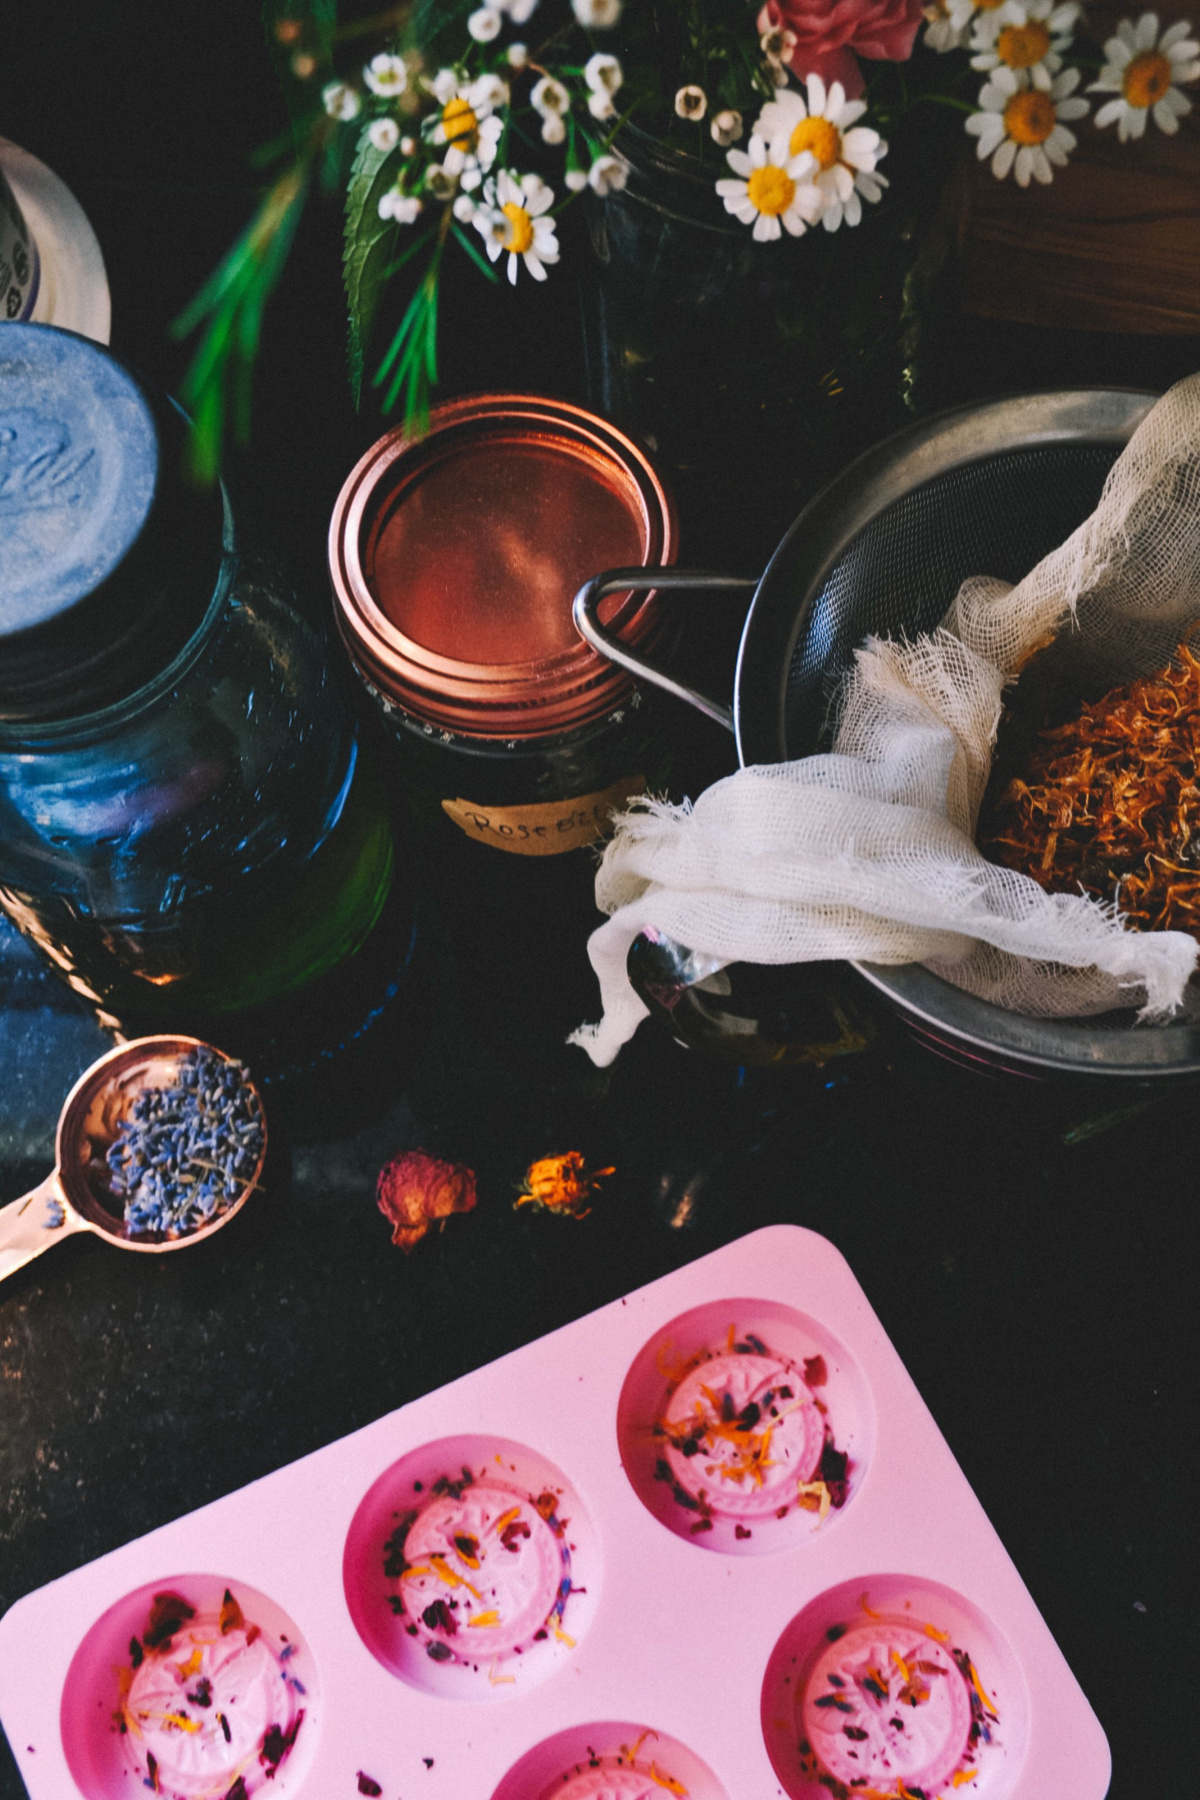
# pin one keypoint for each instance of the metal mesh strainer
(986, 490)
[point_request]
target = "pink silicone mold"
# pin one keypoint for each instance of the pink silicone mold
(744, 1426)
(408, 1576)
(610, 1761)
(472, 1568)
(188, 1685)
(894, 1682)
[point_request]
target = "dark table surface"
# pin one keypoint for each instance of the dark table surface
(1027, 1254)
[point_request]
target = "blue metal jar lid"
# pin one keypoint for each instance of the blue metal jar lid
(109, 558)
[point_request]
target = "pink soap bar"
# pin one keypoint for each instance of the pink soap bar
(743, 1432)
(888, 1703)
(485, 1571)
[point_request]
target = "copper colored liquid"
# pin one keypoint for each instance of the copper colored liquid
(484, 553)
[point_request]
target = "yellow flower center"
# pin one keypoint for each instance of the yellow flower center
(1147, 78)
(988, 5)
(1021, 46)
(458, 121)
(1029, 117)
(819, 136)
(771, 190)
(520, 228)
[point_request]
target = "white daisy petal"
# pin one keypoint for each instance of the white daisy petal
(1174, 34)
(767, 228)
(1165, 119)
(1074, 109)
(816, 95)
(1002, 162)
(1146, 31)
(1113, 109)
(739, 162)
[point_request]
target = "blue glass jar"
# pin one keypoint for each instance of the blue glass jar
(191, 829)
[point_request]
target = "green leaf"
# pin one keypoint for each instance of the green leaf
(369, 241)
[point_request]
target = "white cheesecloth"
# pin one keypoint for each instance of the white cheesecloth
(868, 852)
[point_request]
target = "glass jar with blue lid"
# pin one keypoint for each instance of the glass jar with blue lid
(190, 829)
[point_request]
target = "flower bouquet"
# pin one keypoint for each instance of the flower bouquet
(462, 134)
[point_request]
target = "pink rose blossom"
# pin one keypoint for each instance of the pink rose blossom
(832, 34)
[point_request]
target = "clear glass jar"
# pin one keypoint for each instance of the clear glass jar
(212, 851)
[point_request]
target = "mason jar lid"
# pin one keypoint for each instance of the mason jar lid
(110, 556)
(455, 559)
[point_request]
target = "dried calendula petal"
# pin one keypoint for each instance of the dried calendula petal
(1109, 803)
(561, 1184)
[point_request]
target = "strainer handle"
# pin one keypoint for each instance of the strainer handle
(33, 1223)
(643, 581)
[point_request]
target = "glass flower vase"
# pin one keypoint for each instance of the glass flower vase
(755, 371)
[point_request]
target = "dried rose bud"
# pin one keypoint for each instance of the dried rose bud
(561, 1184)
(414, 1190)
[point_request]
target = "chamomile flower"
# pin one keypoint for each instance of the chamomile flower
(514, 220)
(846, 153)
(608, 174)
(691, 102)
(384, 134)
(518, 55)
(726, 128)
(1025, 35)
(551, 99)
(941, 33)
(575, 180)
(962, 14)
(549, 96)
(603, 71)
(1021, 126)
(469, 126)
(386, 75)
(1145, 71)
(405, 208)
(775, 191)
(484, 24)
(340, 101)
(519, 11)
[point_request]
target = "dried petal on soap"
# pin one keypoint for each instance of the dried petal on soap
(168, 1614)
(416, 1190)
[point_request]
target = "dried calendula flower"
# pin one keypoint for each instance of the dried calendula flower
(417, 1190)
(561, 1184)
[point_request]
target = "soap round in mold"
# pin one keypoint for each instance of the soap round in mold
(205, 1704)
(610, 1760)
(472, 1568)
(887, 1702)
(741, 1432)
(894, 1684)
(193, 1688)
(484, 1571)
(745, 1426)
(611, 1780)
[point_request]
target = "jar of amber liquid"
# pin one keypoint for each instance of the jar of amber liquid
(455, 560)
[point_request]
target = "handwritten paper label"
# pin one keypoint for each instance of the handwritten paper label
(548, 828)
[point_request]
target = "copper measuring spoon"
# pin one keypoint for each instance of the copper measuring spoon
(66, 1202)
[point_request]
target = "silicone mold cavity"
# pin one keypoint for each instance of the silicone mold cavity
(880, 1678)
(610, 1761)
(472, 1568)
(760, 1350)
(268, 1747)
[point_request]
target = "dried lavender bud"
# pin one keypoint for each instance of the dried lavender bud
(186, 1152)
